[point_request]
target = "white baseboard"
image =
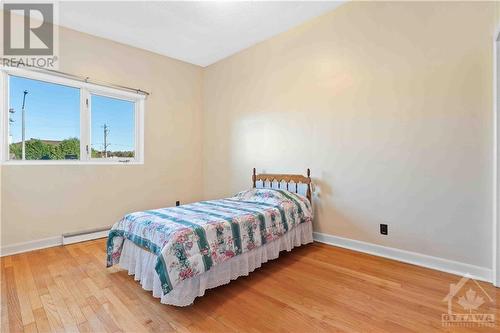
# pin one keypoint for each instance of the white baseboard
(30, 246)
(49, 242)
(440, 264)
(84, 237)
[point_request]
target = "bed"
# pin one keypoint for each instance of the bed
(179, 252)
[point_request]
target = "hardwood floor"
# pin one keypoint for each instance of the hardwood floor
(311, 289)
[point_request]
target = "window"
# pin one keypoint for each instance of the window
(44, 120)
(50, 119)
(112, 122)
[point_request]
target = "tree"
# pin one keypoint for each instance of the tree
(16, 150)
(66, 148)
(37, 150)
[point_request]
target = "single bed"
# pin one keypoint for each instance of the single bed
(179, 252)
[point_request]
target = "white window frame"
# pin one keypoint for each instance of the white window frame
(86, 90)
(496, 160)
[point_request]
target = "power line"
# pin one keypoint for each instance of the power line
(114, 144)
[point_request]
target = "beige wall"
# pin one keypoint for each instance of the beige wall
(497, 12)
(389, 104)
(44, 201)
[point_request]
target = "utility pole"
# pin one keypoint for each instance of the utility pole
(106, 144)
(23, 126)
(11, 121)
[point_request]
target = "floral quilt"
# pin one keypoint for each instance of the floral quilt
(192, 238)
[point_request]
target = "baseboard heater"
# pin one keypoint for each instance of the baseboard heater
(85, 235)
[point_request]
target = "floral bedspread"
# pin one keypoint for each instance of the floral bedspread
(190, 239)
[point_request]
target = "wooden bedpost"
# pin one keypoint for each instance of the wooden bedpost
(309, 192)
(254, 179)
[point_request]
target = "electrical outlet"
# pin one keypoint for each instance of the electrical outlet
(384, 229)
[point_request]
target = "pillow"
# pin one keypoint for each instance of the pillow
(260, 194)
(277, 197)
(268, 195)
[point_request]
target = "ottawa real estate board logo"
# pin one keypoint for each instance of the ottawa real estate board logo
(30, 35)
(469, 305)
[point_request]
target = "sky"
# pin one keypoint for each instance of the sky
(52, 112)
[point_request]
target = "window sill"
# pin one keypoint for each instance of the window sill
(27, 163)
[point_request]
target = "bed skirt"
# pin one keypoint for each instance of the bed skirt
(141, 263)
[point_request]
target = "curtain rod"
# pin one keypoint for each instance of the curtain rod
(85, 79)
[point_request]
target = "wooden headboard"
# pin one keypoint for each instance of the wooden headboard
(287, 178)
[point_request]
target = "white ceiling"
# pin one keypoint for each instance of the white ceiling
(200, 33)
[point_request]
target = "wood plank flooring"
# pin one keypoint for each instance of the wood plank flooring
(314, 288)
